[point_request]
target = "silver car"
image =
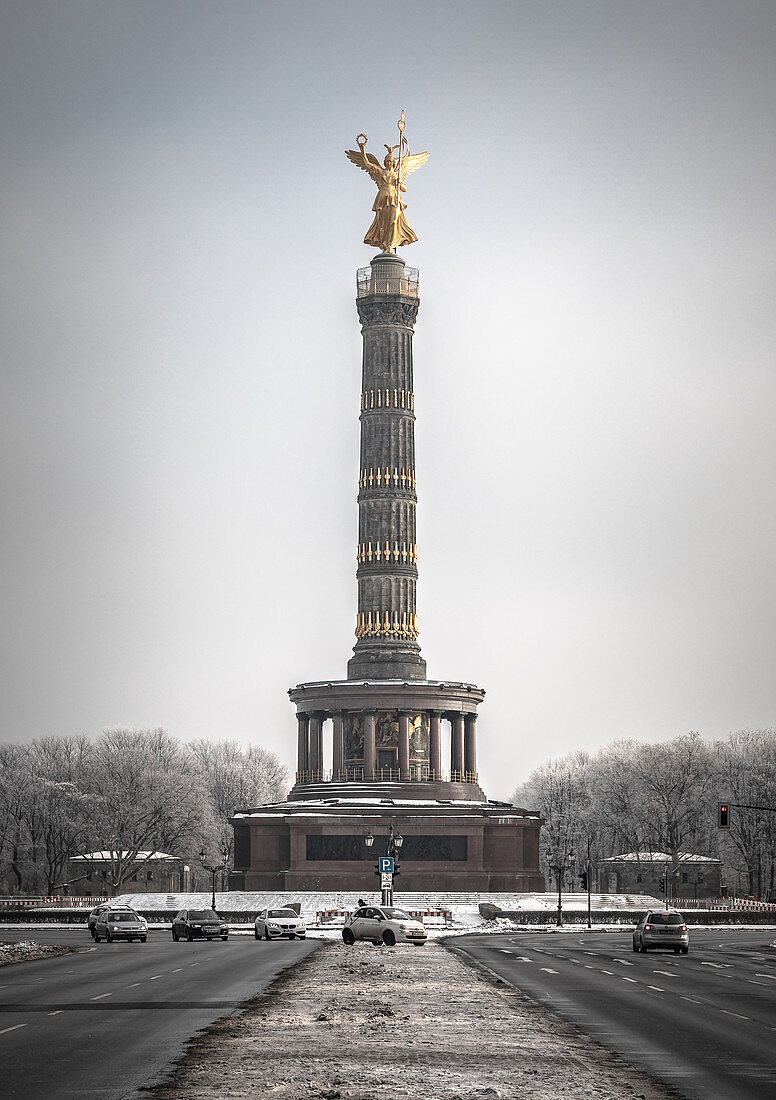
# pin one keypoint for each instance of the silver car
(274, 923)
(118, 924)
(104, 907)
(383, 924)
(662, 928)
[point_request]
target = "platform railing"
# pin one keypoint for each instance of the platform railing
(357, 774)
(368, 282)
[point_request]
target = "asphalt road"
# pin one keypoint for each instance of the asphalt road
(112, 1018)
(704, 1023)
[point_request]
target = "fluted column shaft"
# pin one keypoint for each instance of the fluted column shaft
(470, 744)
(456, 743)
(386, 621)
(404, 744)
(302, 751)
(337, 747)
(435, 743)
(316, 741)
(370, 749)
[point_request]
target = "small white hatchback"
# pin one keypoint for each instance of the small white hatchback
(383, 924)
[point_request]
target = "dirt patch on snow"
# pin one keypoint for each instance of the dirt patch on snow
(29, 951)
(367, 1023)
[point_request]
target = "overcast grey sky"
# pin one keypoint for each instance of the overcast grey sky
(594, 361)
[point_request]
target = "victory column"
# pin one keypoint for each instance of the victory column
(387, 765)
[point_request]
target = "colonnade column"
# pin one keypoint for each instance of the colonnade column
(404, 744)
(470, 745)
(435, 743)
(456, 744)
(337, 748)
(316, 741)
(302, 754)
(370, 751)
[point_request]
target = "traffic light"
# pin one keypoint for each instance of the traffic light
(723, 815)
(583, 880)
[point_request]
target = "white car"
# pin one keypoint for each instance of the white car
(105, 907)
(120, 924)
(274, 923)
(383, 924)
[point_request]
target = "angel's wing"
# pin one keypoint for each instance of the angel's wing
(411, 162)
(357, 158)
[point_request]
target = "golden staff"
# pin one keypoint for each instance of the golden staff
(402, 141)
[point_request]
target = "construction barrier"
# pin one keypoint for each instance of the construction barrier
(745, 905)
(335, 918)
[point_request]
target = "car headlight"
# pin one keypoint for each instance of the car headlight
(402, 927)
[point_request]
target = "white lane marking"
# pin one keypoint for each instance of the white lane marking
(589, 966)
(656, 988)
(101, 996)
(719, 966)
(58, 1012)
(14, 1028)
(624, 979)
(505, 951)
(624, 962)
(765, 976)
(736, 1014)
(693, 1000)
(751, 981)
(134, 985)
(177, 970)
(547, 970)
(609, 972)
(665, 973)
(193, 964)
(153, 979)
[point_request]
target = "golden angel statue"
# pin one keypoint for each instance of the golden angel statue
(390, 228)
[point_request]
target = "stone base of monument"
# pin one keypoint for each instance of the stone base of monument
(319, 844)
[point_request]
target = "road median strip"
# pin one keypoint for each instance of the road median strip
(368, 1023)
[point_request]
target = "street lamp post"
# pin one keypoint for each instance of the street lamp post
(395, 841)
(558, 868)
(214, 869)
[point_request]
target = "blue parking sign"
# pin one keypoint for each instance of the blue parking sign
(386, 865)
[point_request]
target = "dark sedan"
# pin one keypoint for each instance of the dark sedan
(199, 924)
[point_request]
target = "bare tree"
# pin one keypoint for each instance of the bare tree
(747, 776)
(143, 796)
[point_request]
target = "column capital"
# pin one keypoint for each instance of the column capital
(434, 713)
(404, 712)
(336, 713)
(369, 710)
(303, 716)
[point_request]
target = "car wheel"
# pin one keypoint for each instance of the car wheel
(685, 950)
(677, 950)
(96, 937)
(175, 935)
(635, 946)
(189, 937)
(143, 939)
(388, 938)
(256, 935)
(347, 937)
(224, 939)
(108, 936)
(302, 935)
(643, 949)
(266, 934)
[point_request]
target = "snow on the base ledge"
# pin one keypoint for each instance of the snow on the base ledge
(463, 906)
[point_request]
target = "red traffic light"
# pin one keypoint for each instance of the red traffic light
(723, 815)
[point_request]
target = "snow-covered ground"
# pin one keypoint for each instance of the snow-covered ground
(464, 907)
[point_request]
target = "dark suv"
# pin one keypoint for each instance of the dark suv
(200, 924)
